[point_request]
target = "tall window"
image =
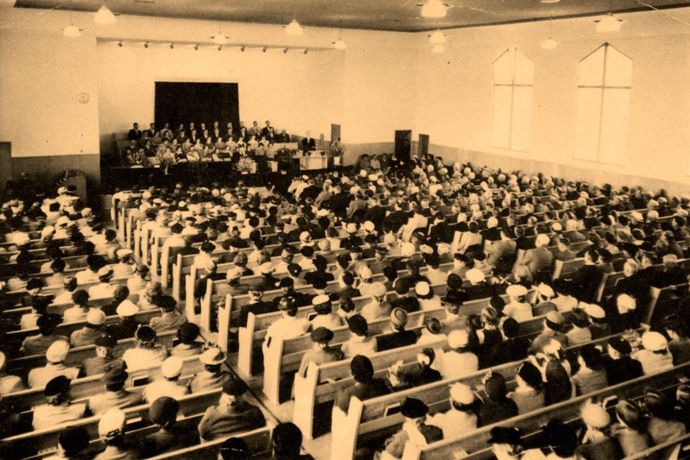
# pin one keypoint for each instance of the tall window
(513, 82)
(603, 101)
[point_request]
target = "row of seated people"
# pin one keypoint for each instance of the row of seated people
(213, 131)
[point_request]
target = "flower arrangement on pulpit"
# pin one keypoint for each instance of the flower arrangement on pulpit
(246, 165)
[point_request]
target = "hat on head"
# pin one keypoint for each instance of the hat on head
(475, 276)
(322, 335)
(188, 332)
(95, 317)
(105, 340)
(413, 408)
(621, 345)
(57, 385)
(358, 325)
(516, 290)
(57, 351)
(163, 410)
(116, 374)
(458, 338)
(529, 373)
(654, 341)
(266, 268)
(142, 269)
(235, 387)
(212, 356)
(389, 238)
(426, 249)
(505, 435)
(495, 386)
(112, 423)
(399, 317)
(127, 308)
(171, 367)
(124, 252)
(74, 440)
(625, 303)
(320, 300)
(365, 272)
(545, 290)
(593, 311)
(105, 273)
(462, 394)
(554, 320)
(422, 288)
(145, 333)
(595, 415)
(407, 249)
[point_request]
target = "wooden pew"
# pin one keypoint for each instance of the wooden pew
(370, 418)
(258, 441)
(21, 366)
(85, 387)
(137, 417)
(475, 442)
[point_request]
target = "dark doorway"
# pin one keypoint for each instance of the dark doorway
(403, 144)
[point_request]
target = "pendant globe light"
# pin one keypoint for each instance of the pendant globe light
(219, 39)
(71, 30)
(104, 16)
(294, 27)
(608, 23)
(434, 9)
(437, 38)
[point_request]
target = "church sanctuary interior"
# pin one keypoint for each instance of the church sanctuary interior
(344, 229)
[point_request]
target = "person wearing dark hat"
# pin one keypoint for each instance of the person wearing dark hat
(188, 345)
(418, 374)
(103, 288)
(365, 387)
(592, 374)
(120, 294)
(404, 299)
(146, 353)
(585, 280)
(78, 312)
(105, 344)
(286, 442)
(231, 415)
(580, 332)
(320, 272)
(495, 403)
(679, 343)
(255, 305)
(213, 375)
(39, 306)
(170, 436)
(399, 337)
(528, 394)
(321, 352)
(170, 317)
(562, 439)
(115, 394)
(360, 342)
(347, 281)
(72, 444)
(414, 429)
(620, 367)
(506, 443)
(58, 408)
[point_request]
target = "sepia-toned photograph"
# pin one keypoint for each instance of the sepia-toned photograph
(344, 229)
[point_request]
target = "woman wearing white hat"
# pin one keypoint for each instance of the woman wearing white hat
(168, 385)
(655, 356)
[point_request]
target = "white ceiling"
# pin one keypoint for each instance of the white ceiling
(392, 15)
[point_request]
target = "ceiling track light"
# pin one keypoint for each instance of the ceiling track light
(608, 23)
(242, 48)
(172, 46)
(264, 49)
(196, 47)
(119, 44)
(306, 51)
(220, 47)
(104, 16)
(285, 51)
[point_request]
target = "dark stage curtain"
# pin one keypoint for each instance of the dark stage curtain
(198, 102)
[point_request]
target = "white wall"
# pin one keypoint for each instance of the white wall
(454, 95)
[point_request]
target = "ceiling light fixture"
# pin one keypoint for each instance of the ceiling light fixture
(306, 51)
(71, 30)
(285, 51)
(294, 27)
(608, 23)
(264, 50)
(340, 44)
(438, 49)
(119, 44)
(104, 16)
(146, 44)
(196, 47)
(549, 2)
(219, 38)
(434, 9)
(437, 38)
(172, 46)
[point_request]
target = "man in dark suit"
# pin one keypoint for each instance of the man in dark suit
(267, 131)
(282, 137)
(308, 143)
(256, 305)
(375, 213)
(585, 280)
(400, 337)
(134, 133)
(440, 230)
